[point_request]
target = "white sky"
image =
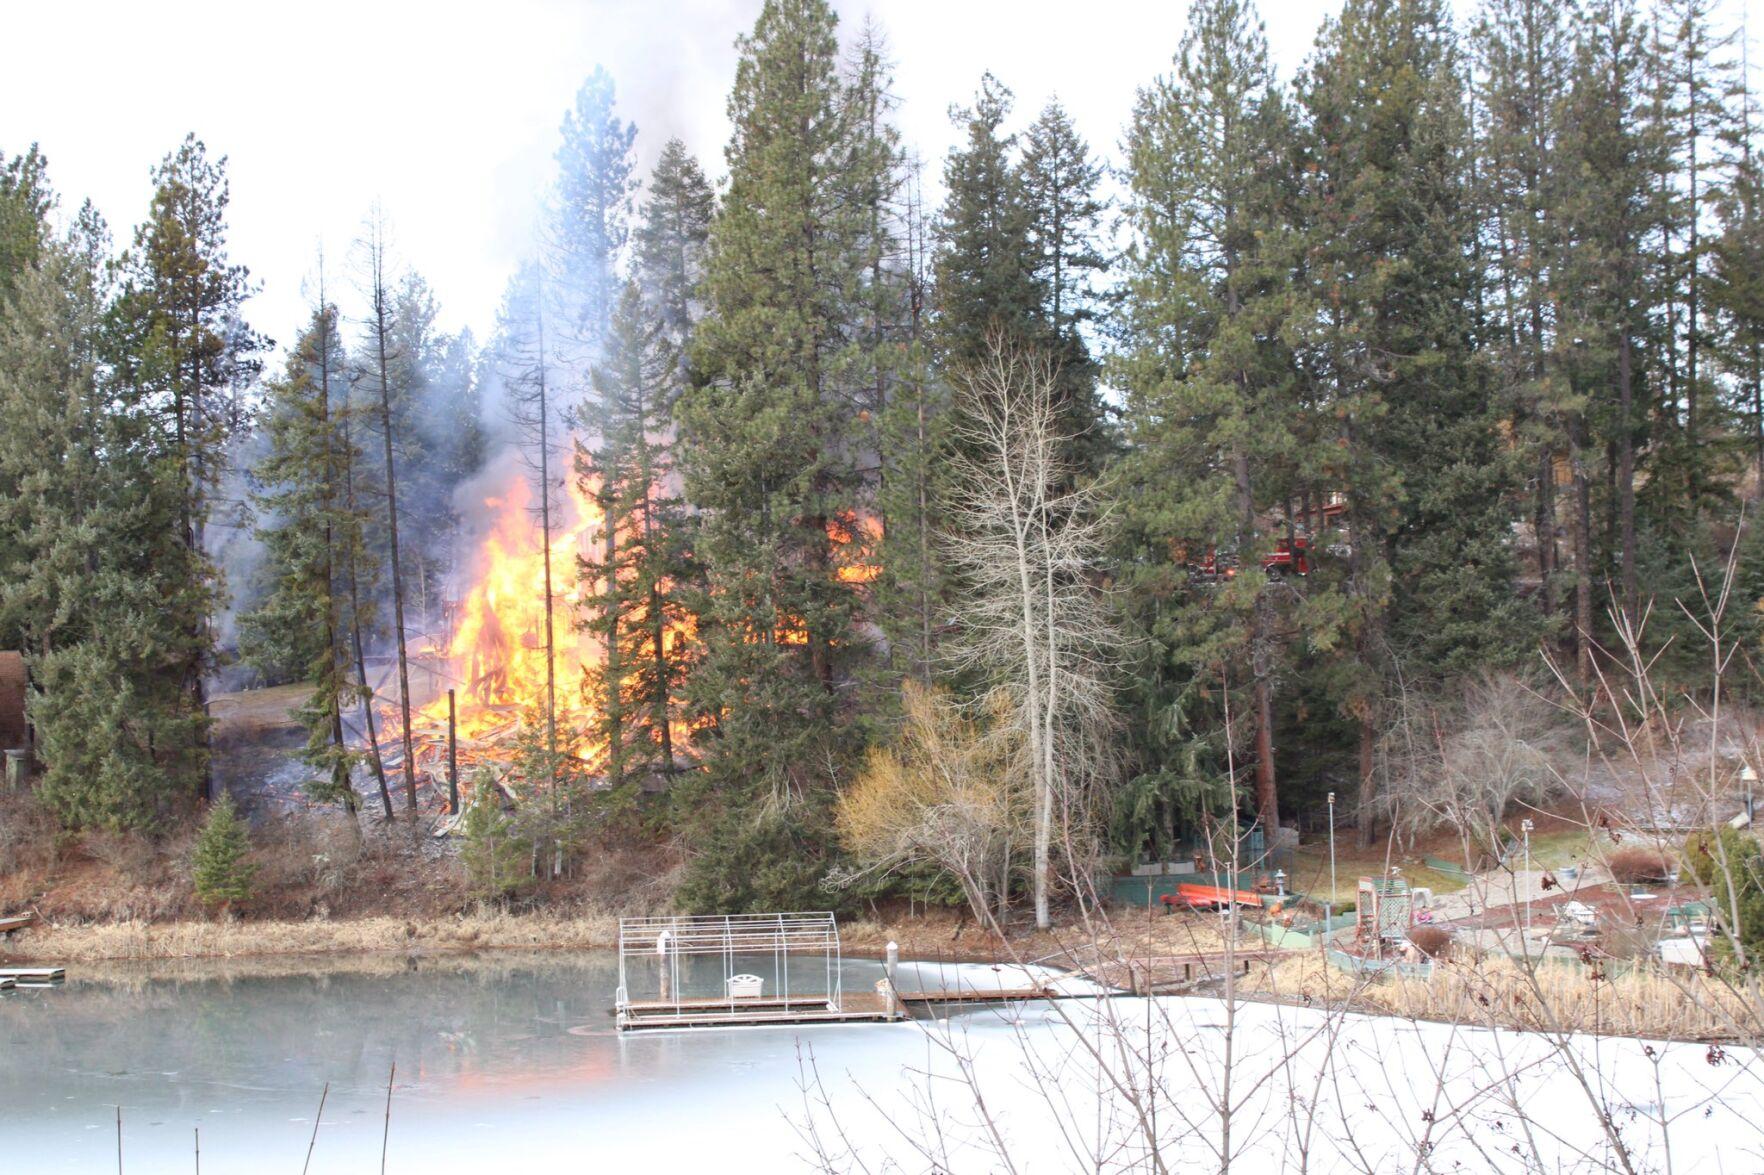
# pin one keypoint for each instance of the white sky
(448, 112)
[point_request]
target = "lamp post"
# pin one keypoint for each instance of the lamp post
(1525, 827)
(1329, 906)
(1748, 777)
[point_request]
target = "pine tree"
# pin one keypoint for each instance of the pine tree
(308, 542)
(670, 241)
(637, 609)
(1215, 433)
(1608, 208)
(521, 354)
(95, 583)
(913, 444)
(220, 865)
(438, 435)
(1522, 53)
(1736, 285)
(25, 201)
(987, 264)
(383, 363)
(590, 224)
(183, 302)
(1060, 187)
(768, 461)
(1695, 72)
(1388, 240)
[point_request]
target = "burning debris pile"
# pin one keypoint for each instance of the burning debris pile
(494, 660)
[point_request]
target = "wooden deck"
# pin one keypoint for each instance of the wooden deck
(979, 995)
(1148, 976)
(16, 923)
(33, 974)
(854, 1006)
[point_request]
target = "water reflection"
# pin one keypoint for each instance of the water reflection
(492, 1052)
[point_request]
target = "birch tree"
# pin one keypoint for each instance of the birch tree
(1029, 541)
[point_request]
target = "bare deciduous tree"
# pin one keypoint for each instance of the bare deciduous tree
(1027, 542)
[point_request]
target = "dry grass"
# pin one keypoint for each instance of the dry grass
(1674, 1005)
(487, 930)
(1433, 941)
(1634, 864)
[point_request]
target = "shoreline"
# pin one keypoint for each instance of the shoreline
(140, 941)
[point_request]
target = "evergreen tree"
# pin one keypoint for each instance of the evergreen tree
(95, 583)
(1522, 52)
(767, 455)
(183, 302)
(913, 444)
(638, 610)
(220, 866)
(1215, 434)
(497, 860)
(1388, 235)
(670, 242)
(1060, 187)
(521, 353)
(308, 542)
(1607, 206)
(1695, 76)
(387, 372)
(591, 218)
(987, 267)
(1736, 288)
(25, 201)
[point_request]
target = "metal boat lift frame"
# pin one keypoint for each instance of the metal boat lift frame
(656, 945)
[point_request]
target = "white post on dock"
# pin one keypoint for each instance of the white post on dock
(891, 961)
(661, 948)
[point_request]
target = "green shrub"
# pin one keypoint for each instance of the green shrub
(497, 859)
(221, 864)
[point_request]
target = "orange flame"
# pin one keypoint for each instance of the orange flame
(497, 651)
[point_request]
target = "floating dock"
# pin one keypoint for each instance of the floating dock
(16, 923)
(34, 974)
(853, 1007)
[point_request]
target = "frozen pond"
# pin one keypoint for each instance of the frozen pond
(505, 1057)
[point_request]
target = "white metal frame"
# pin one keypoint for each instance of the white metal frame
(661, 942)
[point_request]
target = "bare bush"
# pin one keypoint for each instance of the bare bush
(1433, 941)
(1466, 759)
(1638, 864)
(948, 792)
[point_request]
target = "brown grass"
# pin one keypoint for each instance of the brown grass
(488, 930)
(1433, 941)
(1656, 1004)
(1633, 864)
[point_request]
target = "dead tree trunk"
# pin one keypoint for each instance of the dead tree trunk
(382, 326)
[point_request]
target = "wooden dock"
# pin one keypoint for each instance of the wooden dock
(16, 923)
(980, 995)
(853, 1007)
(7, 984)
(1153, 974)
(34, 974)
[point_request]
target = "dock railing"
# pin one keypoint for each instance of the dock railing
(663, 948)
